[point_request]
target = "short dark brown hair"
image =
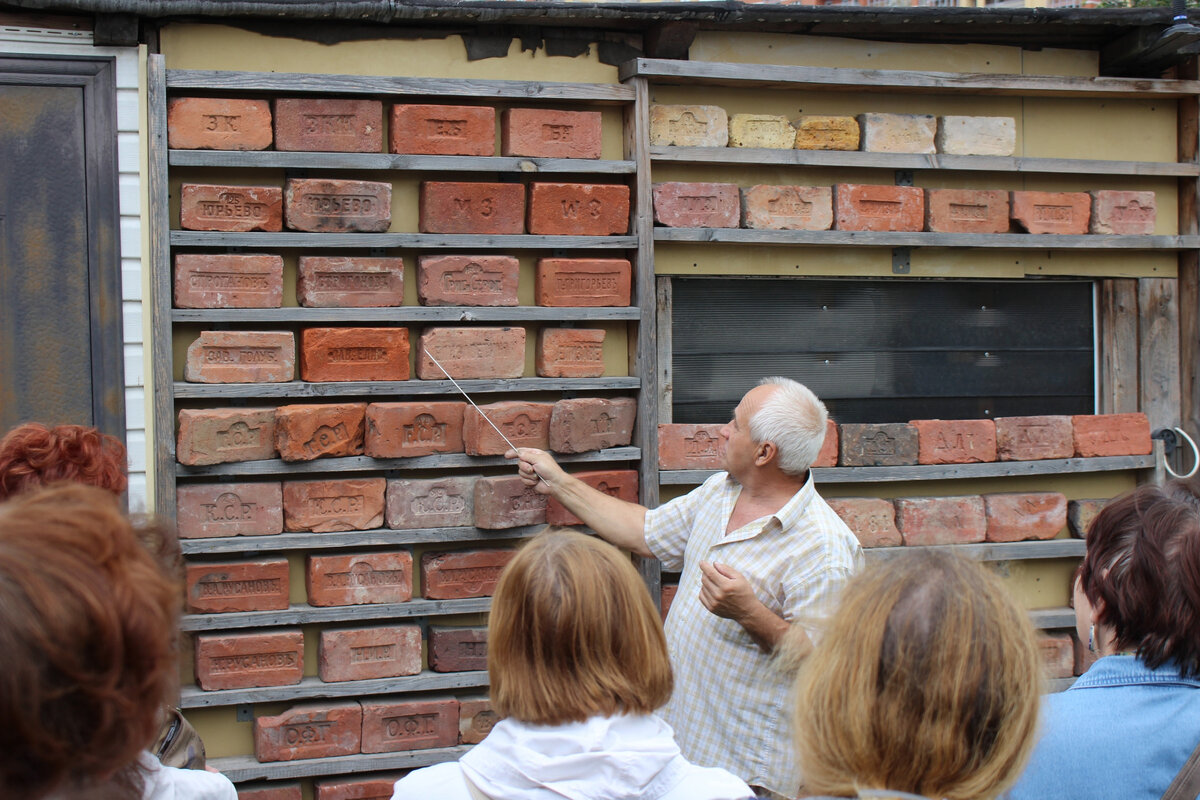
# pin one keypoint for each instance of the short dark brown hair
(33, 455)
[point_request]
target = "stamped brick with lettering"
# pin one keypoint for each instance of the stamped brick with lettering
(359, 654)
(1099, 435)
(447, 502)
(977, 136)
(792, 208)
(246, 660)
(471, 353)
(350, 282)
(506, 502)
(770, 131)
(325, 205)
(354, 354)
(619, 483)
(1052, 212)
(462, 573)
(1034, 438)
(941, 520)
(467, 280)
(309, 730)
(359, 579)
(307, 431)
(207, 510)
(391, 726)
(214, 280)
(966, 210)
(1017, 516)
(872, 519)
(688, 126)
(436, 130)
(457, 649)
(476, 718)
(583, 282)
(550, 133)
(1123, 213)
(406, 430)
(955, 441)
(347, 504)
(217, 587)
(331, 125)
(689, 446)
(581, 424)
(826, 132)
(241, 357)
(860, 207)
(205, 207)
(570, 353)
(898, 133)
(887, 445)
(461, 207)
(578, 209)
(697, 205)
(223, 435)
(218, 123)
(524, 424)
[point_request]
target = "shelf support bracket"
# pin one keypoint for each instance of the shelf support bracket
(901, 257)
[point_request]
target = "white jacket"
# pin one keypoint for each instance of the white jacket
(604, 758)
(170, 783)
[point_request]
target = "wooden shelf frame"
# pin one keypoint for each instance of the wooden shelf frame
(396, 162)
(315, 688)
(408, 314)
(240, 769)
(992, 551)
(419, 241)
(198, 391)
(992, 241)
(379, 537)
(298, 614)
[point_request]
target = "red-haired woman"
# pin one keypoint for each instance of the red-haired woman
(33, 455)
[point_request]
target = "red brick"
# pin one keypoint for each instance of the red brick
(468, 353)
(476, 718)
(682, 446)
(354, 354)
(697, 205)
(506, 502)
(359, 654)
(434, 130)
(523, 424)
(955, 441)
(222, 435)
(619, 483)
(459, 207)
(591, 423)
(359, 579)
(872, 519)
(457, 649)
(788, 208)
(246, 660)
(269, 791)
(350, 282)
(306, 432)
(462, 573)
(966, 210)
(218, 123)
(309, 730)
(348, 504)
(1052, 212)
(828, 456)
(391, 726)
(325, 205)
(578, 209)
(406, 430)
(887, 445)
(583, 282)
(570, 353)
(204, 207)
(548, 133)
(1111, 435)
(446, 502)
(1015, 516)
(1080, 514)
(467, 280)
(216, 587)
(375, 788)
(1034, 438)
(667, 597)
(859, 207)
(1123, 212)
(941, 520)
(241, 357)
(1058, 654)
(331, 125)
(208, 510)
(212, 280)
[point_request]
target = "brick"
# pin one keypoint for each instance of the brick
(223, 435)
(217, 587)
(524, 424)
(350, 282)
(469, 353)
(270, 791)
(872, 519)
(309, 730)
(1058, 654)
(476, 718)
(570, 353)
(447, 502)
(1034, 438)
(688, 126)
(891, 444)
(828, 456)
(667, 597)
(359, 654)
(359, 579)
(435, 130)
(354, 354)
(859, 207)
(619, 483)
(1084, 658)
(331, 125)
(823, 132)
(204, 207)
(1111, 435)
(549, 133)
(391, 726)
(898, 133)
(309, 431)
(583, 282)
(578, 209)
(581, 424)
(697, 205)
(467, 280)
(241, 357)
(246, 660)
(379, 787)
(458, 207)
(1080, 514)
(683, 446)
(1123, 212)
(326, 205)
(1017, 516)
(213, 280)
(977, 136)
(941, 520)
(218, 123)
(208, 510)
(1052, 212)
(457, 649)
(348, 504)
(507, 503)
(966, 211)
(407, 430)
(955, 441)
(787, 208)
(462, 573)
(761, 130)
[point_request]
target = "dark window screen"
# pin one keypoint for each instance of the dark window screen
(885, 350)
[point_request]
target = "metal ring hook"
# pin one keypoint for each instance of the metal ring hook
(1195, 457)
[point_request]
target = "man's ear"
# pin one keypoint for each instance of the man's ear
(764, 453)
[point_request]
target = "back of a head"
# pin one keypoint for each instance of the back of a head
(573, 633)
(33, 455)
(794, 419)
(86, 625)
(927, 681)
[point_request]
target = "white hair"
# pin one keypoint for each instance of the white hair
(793, 419)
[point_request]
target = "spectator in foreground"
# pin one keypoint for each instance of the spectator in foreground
(578, 664)
(33, 455)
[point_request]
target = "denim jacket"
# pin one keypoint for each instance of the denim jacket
(1122, 731)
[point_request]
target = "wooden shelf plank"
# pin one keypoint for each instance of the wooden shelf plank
(994, 551)
(1052, 618)
(998, 241)
(394, 161)
(424, 241)
(305, 614)
(195, 391)
(381, 537)
(240, 769)
(407, 314)
(309, 688)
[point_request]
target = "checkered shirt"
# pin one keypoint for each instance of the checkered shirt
(730, 707)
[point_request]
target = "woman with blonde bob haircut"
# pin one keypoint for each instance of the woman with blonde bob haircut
(925, 685)
(578, 663)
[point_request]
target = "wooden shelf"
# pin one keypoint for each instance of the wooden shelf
(407, 314)
(997, 241)
(394, 161)
(422, 241)
(381, 537)
(994, 551)
(310, 688)
(246, 768)
(1052, 618)
(197, 391)
(305, 614)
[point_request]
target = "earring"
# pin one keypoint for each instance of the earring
(1092, 639)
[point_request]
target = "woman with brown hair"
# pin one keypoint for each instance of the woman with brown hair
(33, 455)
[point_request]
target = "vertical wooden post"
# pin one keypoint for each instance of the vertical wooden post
(1189, 261)
(1158, 339)
(1118, 346)
(665, 377)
